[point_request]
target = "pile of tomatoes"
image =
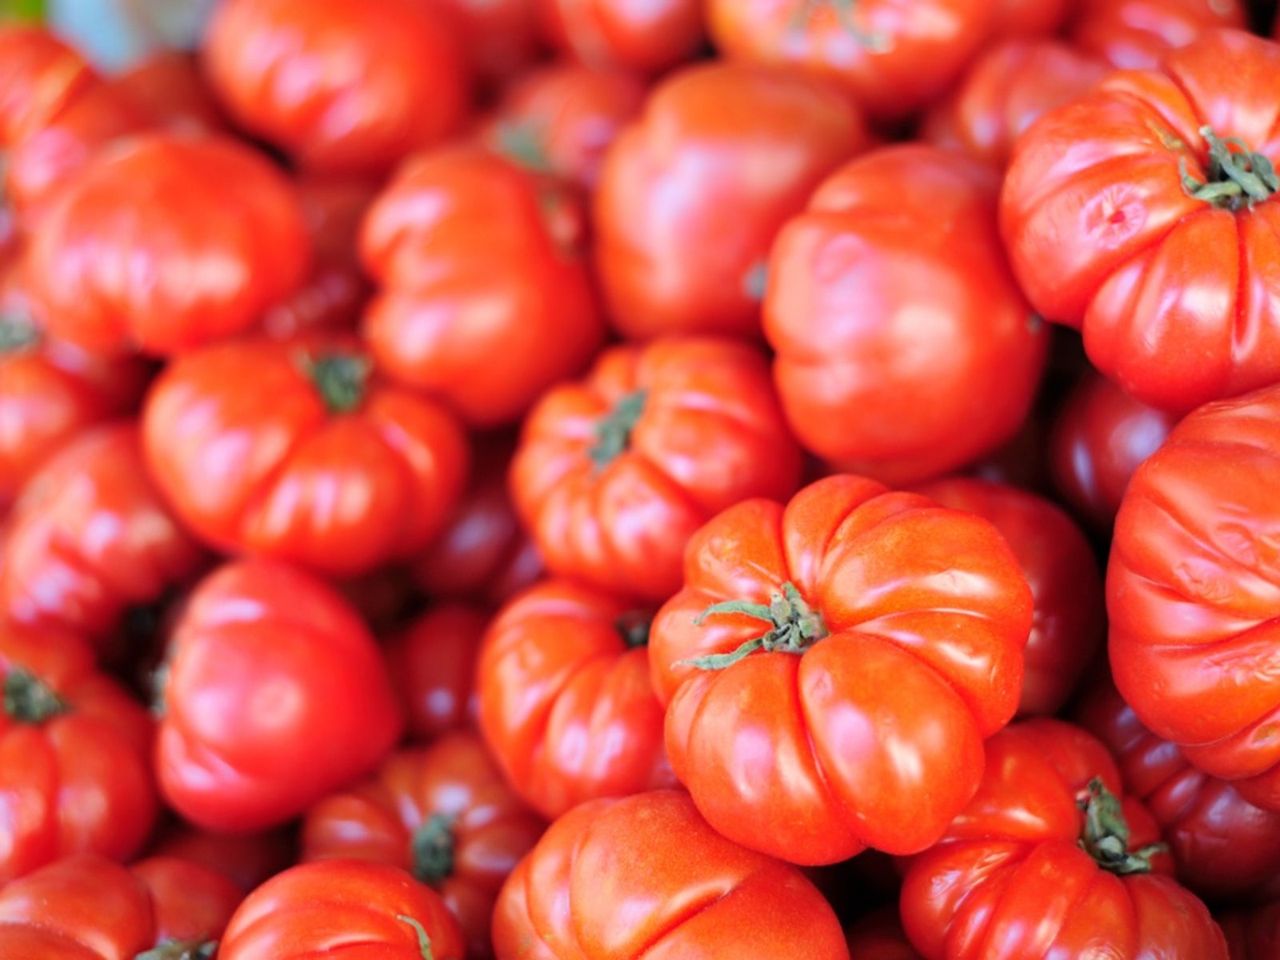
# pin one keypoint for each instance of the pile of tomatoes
(604, 480)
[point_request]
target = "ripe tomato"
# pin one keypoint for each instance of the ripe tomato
(300, 451)
(1069, 621)
(1123, 220)
(643, 37)
(802, 628)
(168, 88)
(38, 73)
(896, 58)
(894, 284)
(1048, 861)
(1138, 34)
(1193, 594)
(191, 905)
(500, 37)
(219, 258)
(645, 875)
(343, 86)
(1030, 18)
(1009, 87)
(486, 296)
(565, 700)
(275, 694)
(614, 474)
(693, 194)
(444, 814)
(361, 911)
(245, 859)
(880, 937)
(75, 750)
(433, 666)
(1253, 934)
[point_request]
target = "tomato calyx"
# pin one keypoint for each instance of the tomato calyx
(433, 848)
(1236, 176)
(846, 15)
(28, 699)
(181, 950)
(633, 627)
(1105, 836)
(523, 143)
(17, 333)
(424, 941)
(613, 432)
(795, 627)
(756, 280)
(340, 378)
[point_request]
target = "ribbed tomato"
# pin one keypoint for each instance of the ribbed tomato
(1139, 34)
(1253, 934)
(644, 37)
(432, 663)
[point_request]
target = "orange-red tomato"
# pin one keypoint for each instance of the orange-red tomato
(904, 347)
(1030, 18)
(693, 194)
(499, 37)
(432, 663)
(38, 73)
(644, 37)
(190, 902)
(168, 88)
(1138, 34)
(1253, 934)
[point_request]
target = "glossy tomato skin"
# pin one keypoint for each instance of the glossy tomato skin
(224, 256)
(168, 88)
(275, 694)
(368, 911)
(614, 474)
(1069, 621)
(1030, 18)
(432, 663)
(1174, 294)
(693, 193)
(1191, 592)
(486, 298)
(640, 37)
(190, 903)
(500, 37)
(342, 86)
(298, 450)
(900, 247)
(1252, 934)
(566, 704)
(38, 72)
(1139, 34)
(444, 814)
(74, 755)
(918, 616)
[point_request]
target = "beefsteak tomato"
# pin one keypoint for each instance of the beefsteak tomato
(432, 663)
(1139, 34)
(1253, 934)
(641, 37)
(168, 88)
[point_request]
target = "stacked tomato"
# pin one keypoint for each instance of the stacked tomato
(599, 480)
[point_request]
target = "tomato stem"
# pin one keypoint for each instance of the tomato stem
(633, 626)
(756, 280)
(341, 379)
(181, 950)
(28, 699)
(1105, 836)
(1236, 178)
(433, 847)
(17, 333)
(523, 143)
(847, 15)
(613, 432)
(795, 627)
(424, 941)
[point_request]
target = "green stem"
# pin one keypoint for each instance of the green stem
(756, 280)
(181, 950)
(1105, 835)
(794, 627)
(1236, 176)
(847, 13)
(17, 333)
(28, 699)
(424, 941)
(340, 379)
(524, 143)
(633, 626)
(613, 432)
(433, 849)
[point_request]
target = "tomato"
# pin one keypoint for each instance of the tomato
(880, 937)
(893, 284)
(360, 911)
(38, 73)
(500, 37)
(1192, 592)
(75, 771)
(1069, 621)
(614, 474)
(343, 86)
(275, 694)
(1122, 220)
(644, 37)
(300, 451)
(1253, 934)
(896, 58)
(1030, 18)
(1048, 861)
(1223, 845)
(801, 628)
(1007, 89)
(646, 876)
(168, 88)
(561, 118)
(245, 859)
(433, 666)
(1138, 34)
(486, 295)
(1099, 439)
(694, 192)
(442, 813)
(191, 903)
(566, 704)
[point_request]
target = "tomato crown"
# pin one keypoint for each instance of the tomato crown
(181, 950)
(613, 432)
(633, 627)
(1105, 836)
(17, 333)
(28, 699)
(1236, 176)
(433, 845)
(424, 941)
(340, 379)
(846, 12)
(794, 627)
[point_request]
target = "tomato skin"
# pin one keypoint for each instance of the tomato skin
(880, 937)
(432, 663)
(926, 613)
(708, 433)
(1069, 621)
(693, 193)
(168, 88)
(191, 903)
(247, 860)
(500, 36)
(1030, 18)
(1253, 934)
(269, 671)
(641, 37)
(341, 905)
(1139, 34)
(339, 490)
(486, 298)
(38, 72)
(900, 247)
(342, 86)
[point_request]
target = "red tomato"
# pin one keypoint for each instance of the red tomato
(1253, 934)
(1030, 18)
(895, 57)
(216, 259)
(644, 37)
(299, 451)
(75, 773)
(90, 538)
(433, 666)
(168, 88)
(1193, 592)
(38, 73)
(1122, 220)
(1048, 862)
(191, 904)
(500, 37)
(359, 911)
(645, 876)
(1009, 87)
(275, 694)
(344, 86)
(893, 284)
(566, 704)
(442, 813)
(561, 118)
(1138, 34)
(802, 628)
(245, 859)
(614, 474)
(486, 297)
(880, 937)
(1069, 621)
(1100, 438)
(693, 194)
